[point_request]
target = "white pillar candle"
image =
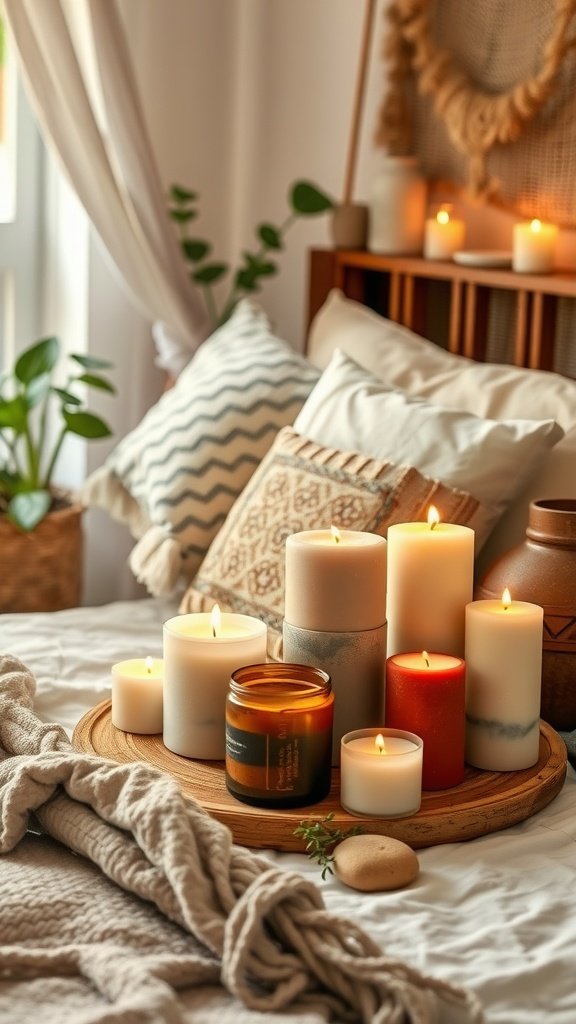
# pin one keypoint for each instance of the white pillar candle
(503, 682)
(534, 247)
(381, 772)
(430, 581)
(137, 695)
(335, 580)
(201, 650)
(443, 236)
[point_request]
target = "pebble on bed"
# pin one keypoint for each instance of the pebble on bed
(373, 863)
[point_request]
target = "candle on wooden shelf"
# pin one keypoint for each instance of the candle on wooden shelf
(335, 580)
(279, 735)
(381, 772)
(201, 650)
(425, 693)
(503, 683)
(430, 581)
(137, 695)
(443, 235)
(534, 247)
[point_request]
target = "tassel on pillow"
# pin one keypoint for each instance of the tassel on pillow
(156, 561)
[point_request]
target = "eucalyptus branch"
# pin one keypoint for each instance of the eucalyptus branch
(321, 840)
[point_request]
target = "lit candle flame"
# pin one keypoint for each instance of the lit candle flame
(536, 225)
(433, 517)
(336, 534)
(426, 657)
(149, 663)
(506, 599)
(380, 745)
(442, 217)
(216, 619)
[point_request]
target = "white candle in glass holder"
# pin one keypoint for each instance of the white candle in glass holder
(201, 650)
(381, 772)
(534, 247)
(137, 695)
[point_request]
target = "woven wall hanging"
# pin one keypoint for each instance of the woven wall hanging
(484, 93)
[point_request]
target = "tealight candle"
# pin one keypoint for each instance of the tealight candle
(425, 693)
(534, 247)
(137, 695)
(503, 683)
(443, 236)
(430, 581)
(201, 650)
(381, 772)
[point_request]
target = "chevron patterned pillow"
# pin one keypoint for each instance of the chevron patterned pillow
(194, 451)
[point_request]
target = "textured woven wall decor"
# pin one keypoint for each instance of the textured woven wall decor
(460, 71)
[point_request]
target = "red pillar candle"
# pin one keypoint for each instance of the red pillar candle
(425, 693)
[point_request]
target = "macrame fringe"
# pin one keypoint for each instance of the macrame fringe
(156, 561)
(104, 490)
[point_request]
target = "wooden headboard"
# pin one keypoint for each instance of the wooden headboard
(451, 304)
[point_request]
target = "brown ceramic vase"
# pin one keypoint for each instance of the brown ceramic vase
(543, 570)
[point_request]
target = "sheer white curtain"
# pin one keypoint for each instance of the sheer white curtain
(75, 59)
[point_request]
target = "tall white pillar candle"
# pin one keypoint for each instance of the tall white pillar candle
(381, 772)
(534, 246)
(200, 654)
(335, 580)
(503, 682)
(137, 695)
(430, 581)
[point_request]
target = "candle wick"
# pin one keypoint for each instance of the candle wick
(433, 524)
(213, 630)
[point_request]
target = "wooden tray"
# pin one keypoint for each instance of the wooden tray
(484, 802)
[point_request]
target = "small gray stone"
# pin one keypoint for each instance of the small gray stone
(375, 863)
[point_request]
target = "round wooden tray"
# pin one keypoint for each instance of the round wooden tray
(484, 802)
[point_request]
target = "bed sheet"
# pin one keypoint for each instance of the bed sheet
(495, 914)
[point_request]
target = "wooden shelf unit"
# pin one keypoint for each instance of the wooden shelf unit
(398, 287)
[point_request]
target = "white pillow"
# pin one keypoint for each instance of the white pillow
(351, 409)
(190, 457)
(401, 358)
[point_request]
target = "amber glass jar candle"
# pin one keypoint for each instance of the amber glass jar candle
(279, 735)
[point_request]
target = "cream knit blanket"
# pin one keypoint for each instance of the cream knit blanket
(188, 908)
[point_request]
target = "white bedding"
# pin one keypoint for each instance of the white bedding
(496, 914)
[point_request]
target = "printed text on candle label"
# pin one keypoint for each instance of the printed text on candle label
(290, 761)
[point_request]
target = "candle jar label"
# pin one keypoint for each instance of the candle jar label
(275, 765)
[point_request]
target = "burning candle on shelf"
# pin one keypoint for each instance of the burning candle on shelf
(201, 650)
(534, 247)
(137, 695)
(425, 693)
(335, 618)
(430, 581)
(381, 772)
(443, 235)
(503, 683)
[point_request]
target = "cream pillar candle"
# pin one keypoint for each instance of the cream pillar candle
(443, 236)
(201, 650)
(335, 580)
(534, 247)
(381, 772)
(503, 682)
(137, 695)
(430, 582)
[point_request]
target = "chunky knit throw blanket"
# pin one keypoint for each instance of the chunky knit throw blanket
(188, 908)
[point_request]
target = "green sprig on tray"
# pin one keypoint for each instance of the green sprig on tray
(321, 840)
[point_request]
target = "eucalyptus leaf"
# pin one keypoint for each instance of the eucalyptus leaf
(183, 216)
(195, 250)
(28, 508)
(270, 236)
(41, 358)
(210, 273)
(182, 195)
(307, 199)
(85, 424)
(94, 380)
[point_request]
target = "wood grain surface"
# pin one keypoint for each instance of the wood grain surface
(484, 802)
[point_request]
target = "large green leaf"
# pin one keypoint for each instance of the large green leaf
(13, 414)
(211, 273)
(92, 362)
(96, 381)
(307, 199)
(67, 397)
(40, 358)
(85, 424)
(37, 390)
(28, 508)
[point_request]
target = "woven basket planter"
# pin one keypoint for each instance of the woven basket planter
(42, 570)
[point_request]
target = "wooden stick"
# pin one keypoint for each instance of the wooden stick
(358, 101)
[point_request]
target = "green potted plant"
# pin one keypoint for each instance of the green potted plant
(40, 525)
(304, 200)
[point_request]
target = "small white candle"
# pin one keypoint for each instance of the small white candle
(443, 236)
(430, 581)
(381, 772)
(335, 580)
(201, 650)
(137, 695)
(503, 683)
(534, 247)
